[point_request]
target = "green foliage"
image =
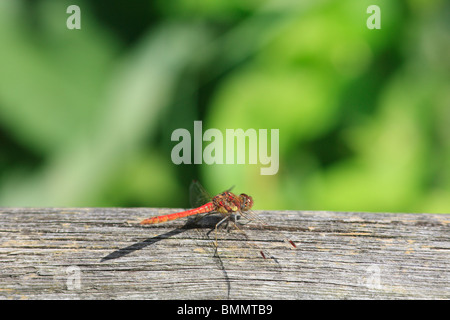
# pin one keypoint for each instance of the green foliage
(86, 115)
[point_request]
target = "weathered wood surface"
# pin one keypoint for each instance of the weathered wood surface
(103, 253)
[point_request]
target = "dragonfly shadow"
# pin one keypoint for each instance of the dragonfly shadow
(205, 222)
(141, 245)
(210, 222)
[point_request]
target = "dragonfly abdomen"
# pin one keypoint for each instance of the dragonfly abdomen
(177, 215)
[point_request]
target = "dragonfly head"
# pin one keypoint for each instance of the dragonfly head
(246, 202)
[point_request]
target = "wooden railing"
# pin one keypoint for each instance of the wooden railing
(104, 253)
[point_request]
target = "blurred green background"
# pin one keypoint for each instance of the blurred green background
(86, 115)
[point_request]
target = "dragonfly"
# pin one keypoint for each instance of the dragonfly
(228, 204)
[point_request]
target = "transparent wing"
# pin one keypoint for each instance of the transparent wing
(198, 196)
(252, 217)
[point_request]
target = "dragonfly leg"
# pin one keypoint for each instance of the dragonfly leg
(218, 224)
(246, 217)
(235, 218)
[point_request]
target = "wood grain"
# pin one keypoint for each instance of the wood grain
(103, 253)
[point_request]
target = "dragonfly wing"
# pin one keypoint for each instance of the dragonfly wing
(229, 190)
(198, 196)
(254, 218)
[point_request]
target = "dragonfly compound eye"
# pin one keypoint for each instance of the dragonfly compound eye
(246, 202)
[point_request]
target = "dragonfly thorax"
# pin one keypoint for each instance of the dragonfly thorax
(228, 202)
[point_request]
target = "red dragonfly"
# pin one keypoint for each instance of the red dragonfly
(226, 203)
